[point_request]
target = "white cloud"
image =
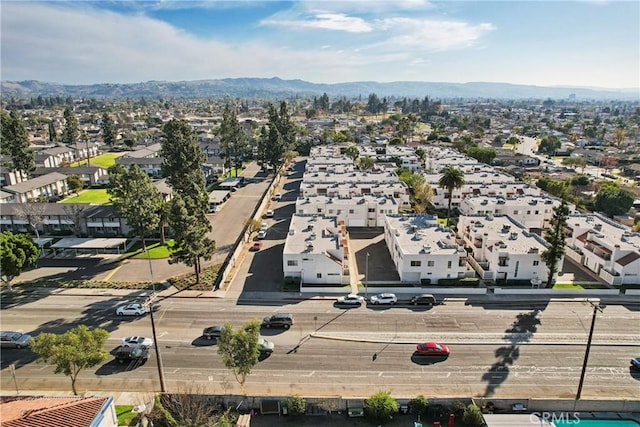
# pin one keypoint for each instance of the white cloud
(325, 21)
(431, 34)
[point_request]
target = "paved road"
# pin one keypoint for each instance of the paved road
(330, 351)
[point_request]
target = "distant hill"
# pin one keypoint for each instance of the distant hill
(276, 87)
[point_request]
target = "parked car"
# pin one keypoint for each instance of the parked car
(351, 299)
(278, 196)
(262, 234)
(278, 320)
(129, 354)
(12, 339)
(265, 347)
(387, 298)
(269, 213)
(423, 299)
(256, 246)
(264, 226)
(212, 332)
(132, 310)
(432, 349)
(635, 363)
(137, 342)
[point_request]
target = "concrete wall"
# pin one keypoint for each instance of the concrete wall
(557, 292)
(401, 292)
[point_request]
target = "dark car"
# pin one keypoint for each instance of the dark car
(12, 339)
(424, 299)
(130, 354)
(635, 363)
(278, 320)
(212, 332)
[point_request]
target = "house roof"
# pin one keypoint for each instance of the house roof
(33, 183)
(628, 258)
(40, 411)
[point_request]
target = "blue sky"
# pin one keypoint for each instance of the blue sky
(593, 43)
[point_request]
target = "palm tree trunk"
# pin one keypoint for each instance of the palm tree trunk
(449, 207)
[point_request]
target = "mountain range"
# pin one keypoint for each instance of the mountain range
(279, 88)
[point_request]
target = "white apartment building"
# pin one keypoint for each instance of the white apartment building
(364, 211)
(502, 249)
(438, 157)
(316, 251)
(422, 250)
(534, 212)
(607, 248)
(397, 190)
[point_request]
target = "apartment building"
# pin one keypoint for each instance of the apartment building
(365, 211)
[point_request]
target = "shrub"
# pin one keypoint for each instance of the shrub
(296, 405)
(419, 405)
(380, 406)
(467, 281)
(436, 411)
(458, 408)
(473, 416)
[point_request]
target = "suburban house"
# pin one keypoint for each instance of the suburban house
(89, 175)
(607, 248)
(150, 165)
(316, 251)
(424, 251)
(502, 249)
(54, 157)
(76, 411)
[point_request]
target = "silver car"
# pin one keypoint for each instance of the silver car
(384, 299)
(11, 339)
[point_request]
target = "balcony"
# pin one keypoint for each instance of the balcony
(611, 279)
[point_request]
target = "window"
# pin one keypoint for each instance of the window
(448, 264)
(330, 211)
(536, 262)
(292, 263)
(515, 272)
(319, 276)
(528, 212)
(351, 211)
(319, 210)
(503, 261)
(431, 263)
(416, 263)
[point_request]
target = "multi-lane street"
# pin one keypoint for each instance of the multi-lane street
(330, 351)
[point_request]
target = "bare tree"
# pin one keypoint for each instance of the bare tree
(191, 407)
(33, 212)
(78, 214)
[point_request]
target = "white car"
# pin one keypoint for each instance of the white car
(262, 234)
(264, 226)
(265, 346)
(137, 342)
(270, 213)
(384, 299)
(132, 310)
(351, 299)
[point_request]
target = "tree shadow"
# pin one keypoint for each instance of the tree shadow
(520, 332)
(634, 373)
(203, 342)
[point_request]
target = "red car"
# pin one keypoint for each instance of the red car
(256, 246)
(432, 349)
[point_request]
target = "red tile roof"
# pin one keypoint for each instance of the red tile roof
(42, 411)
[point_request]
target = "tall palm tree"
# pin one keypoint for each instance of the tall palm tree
(451, 179)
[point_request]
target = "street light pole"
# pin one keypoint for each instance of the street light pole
(163, 387)
(366, 277)
(596, 308)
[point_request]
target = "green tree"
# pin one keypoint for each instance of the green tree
(233, 141)
(77, 349)
(380, 406)
(482, 154)
(578, 162)
(473, 416)
(18, 252)
(239, 349)
(15, 143)
(423, 194)
(451, 178)
(555, 236)
(365, 163)
(419, 405)
(53, 135)
(262, 147)
(613, 200)
(275, 148)
(549, 144)
(70, 133)
(74, 182)
(136, 199)
(296, 405)
(109, 131)
(352, 151)
(190, 227)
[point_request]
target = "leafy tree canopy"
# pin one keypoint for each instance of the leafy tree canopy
(239, 349)
(613, 200)
(18, 252)
(380, 406)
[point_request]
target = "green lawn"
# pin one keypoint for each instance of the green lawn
(95, 196)
(104, 160)
(578, 287)
(155, 251)
(124, 414)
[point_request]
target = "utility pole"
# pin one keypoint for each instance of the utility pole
(163, 387)
(366, 277)
(597, 307)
